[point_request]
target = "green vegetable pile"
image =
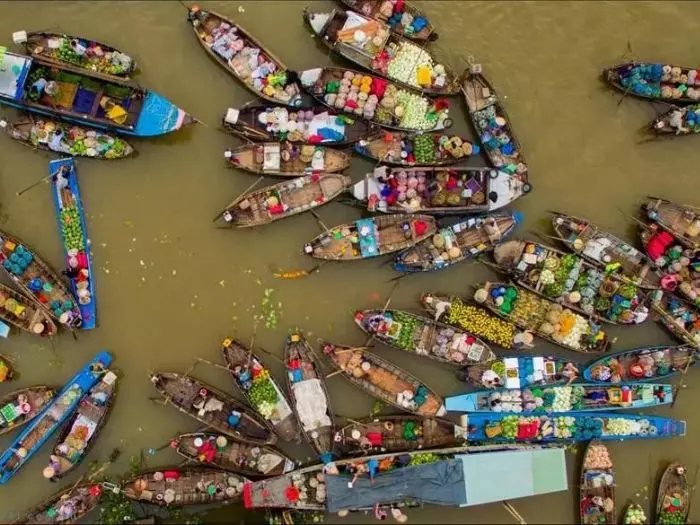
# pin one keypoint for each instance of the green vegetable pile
(71, 228)
(424, 459)
(408, 327)
(671, 518)
(509, 426)
(262, 391)
(66, 54)
(424, 149)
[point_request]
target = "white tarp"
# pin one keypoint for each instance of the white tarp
(312, 406)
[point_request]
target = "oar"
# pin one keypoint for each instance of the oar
(235, 201)
(320, 222)
(34, 185)
(511, 510)
(637, 220)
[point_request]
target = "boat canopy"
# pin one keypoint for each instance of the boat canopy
(13, 73)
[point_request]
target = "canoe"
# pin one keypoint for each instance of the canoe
(597, 487)
(310, 124)
(641, 364)
(21, 406)
(284, 199)
(286, 159)
(83, 428)
(520, 372)
(573, 282)
(66, 139)
(371, 237)
(385, 97)
(87, 98)
(25, 313)
(654, 81)
(6, 369)
(438, 190)
(232, 46)
(55, 413)
(542, 316)
(397, 434)
(416, 26)
(255, 382)
(184, 486)
(384, 54)
(673, 496)
(61, 49)
(677, 121)
(423, 337)
(578, 397)
(464, 240)
(309, 396)
(384, 380)
(70, 215)
(38, 280)
(634, 515)
(682, 221)
(680, 317)
(69, 505)
(605, 250)
(213, 408)
(216, 450)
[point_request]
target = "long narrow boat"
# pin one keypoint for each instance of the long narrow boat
(579, 397)
(23, 312)
(547, 319)
(263, 393)
(649, 363)
(66, 139)
(233, 48)
(7, 372)
(424, 337)
(384, 380)
(386, 103)
(673, 496)
(86, 98)
(573, 282)
(371, 237)
(597, 487)
(21, 406)
(287, 159)
(307, 389)
(414, 26)
(385, 54)
(83, 428)
(680, 317)
(310, 124)
(464, 240)
(397, 434)
(285, 199)
(682, 221)
(69, 505)
(654, 81)
(437, 190)
(520, 372)
(605, 250)
(216, 450)
(212, 407)
(72, 226)
(180, 487)
(634, 515)
(33, 437)
(677, 121)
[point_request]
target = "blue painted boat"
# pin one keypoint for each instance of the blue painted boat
(73, 230)
(54, 415)
(577, 397)
(85, 97)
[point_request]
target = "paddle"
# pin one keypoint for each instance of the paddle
(40, 181)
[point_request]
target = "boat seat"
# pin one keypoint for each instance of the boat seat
(65, 98)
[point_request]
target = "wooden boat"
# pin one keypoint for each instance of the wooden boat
(423, 337)
(23, 312)
(212, 407)
(307, 389)
(653, 81)
(542, 316)
(397, 434)
(680, 317)
(69, 505)
(55, 413)
(682, 221)
(61, 49)
(649, 363)
(372, 237)
(87, 98)
(520, 372)
(66, 139)
(677, 121)
(287, 160)
(605, 250)
(285, 199)
(184, 486)
(438, 190)
(578, 397)
(573, 282)
(384, 380)
(373, 8)
(83, 428)
(464, 240)
(70, 215)
(674, 496)
(323, 83)
(263, 393)
(309, 124)
(21, 406)
(385, 54)
(6, 370)
(597, 488)
(224, 40)
(634, 515)
(216, 450)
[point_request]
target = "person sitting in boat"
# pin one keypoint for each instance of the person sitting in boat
(491, 379)
(243, 376)
(356, 469)
(234, 418)
(78, 48)
(675, 121)
(570, 372)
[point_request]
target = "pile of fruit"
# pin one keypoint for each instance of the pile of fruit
(93, 59)
(404, 339)
(479, 322)
(71, 228)
(79, 142)
(635, 516)
(424, 149)
(263, 394)
(424, 458)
